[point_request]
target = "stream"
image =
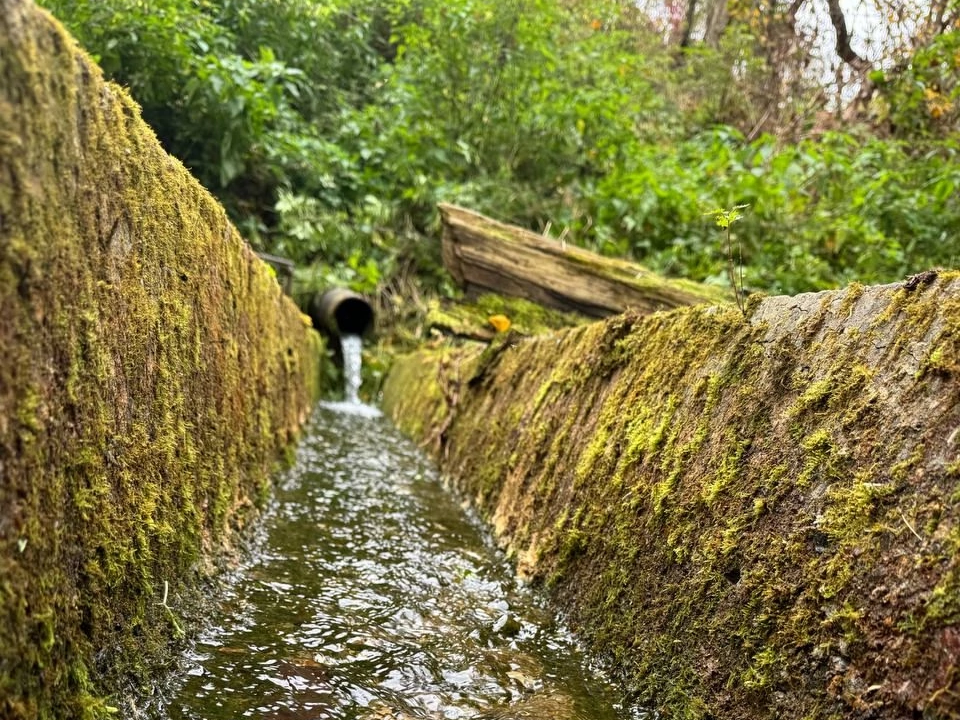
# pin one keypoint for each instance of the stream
(376, 596)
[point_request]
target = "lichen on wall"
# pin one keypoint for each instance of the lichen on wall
(151, 375)
(747, 518)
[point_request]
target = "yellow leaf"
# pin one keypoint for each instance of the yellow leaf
(501, 323)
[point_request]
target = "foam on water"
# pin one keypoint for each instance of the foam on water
(352, 408)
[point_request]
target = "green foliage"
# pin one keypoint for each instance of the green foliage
(223, 114)
(922, 98)
(337, 44)
(824, 212)
(331, 130)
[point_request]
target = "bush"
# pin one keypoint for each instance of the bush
(331, 130)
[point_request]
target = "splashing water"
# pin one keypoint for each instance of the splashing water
(351, 346)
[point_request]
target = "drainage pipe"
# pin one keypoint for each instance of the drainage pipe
(340, 311)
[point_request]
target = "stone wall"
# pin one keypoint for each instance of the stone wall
(747, 518)
(151, 375)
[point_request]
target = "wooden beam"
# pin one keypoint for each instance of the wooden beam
(484, 255)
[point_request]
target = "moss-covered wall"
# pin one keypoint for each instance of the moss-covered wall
(151, 374)
(748, 518)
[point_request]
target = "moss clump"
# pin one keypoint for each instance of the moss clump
(749, 518)
(152, 375)
(472, 319)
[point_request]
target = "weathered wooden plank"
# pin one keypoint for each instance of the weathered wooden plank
(484, 255)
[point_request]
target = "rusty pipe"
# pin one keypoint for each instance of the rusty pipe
(340, 311)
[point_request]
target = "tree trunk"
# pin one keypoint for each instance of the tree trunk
(717, 17)
(688, 23)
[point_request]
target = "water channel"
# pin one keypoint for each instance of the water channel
(376, 596)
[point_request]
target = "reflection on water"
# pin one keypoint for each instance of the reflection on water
(375, 597)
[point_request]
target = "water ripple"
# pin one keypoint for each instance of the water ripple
(375, 597)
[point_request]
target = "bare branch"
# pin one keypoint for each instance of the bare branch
(844, 49)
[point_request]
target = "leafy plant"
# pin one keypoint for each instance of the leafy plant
(330, 130)
(724, 219)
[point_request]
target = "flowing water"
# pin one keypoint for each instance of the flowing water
(351, 346)
(375, 596)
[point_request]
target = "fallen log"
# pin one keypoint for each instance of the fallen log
(484, 255)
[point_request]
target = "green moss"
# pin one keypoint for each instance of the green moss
(527, 317)
(820, 457)
(471, 319)
(721, 506)
(762, 671)
(943, 356)
(851, 508)
(727, 472)
(943, 606)
(896, 304)
(153, 376)
(853, 293)
(833, 393)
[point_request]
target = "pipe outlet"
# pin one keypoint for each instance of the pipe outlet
(340, 311)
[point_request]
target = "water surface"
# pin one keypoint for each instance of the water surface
(376, 596)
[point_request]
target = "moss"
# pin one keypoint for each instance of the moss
(727, 472)
(896, 304)
(472, 319)
(853, 293)
(153, 376)
(526, 317)
(849, 508)
(819, 460)
(741, 515)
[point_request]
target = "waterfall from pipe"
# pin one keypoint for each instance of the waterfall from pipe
(352, 361)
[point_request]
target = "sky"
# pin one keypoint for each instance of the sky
(876, 35)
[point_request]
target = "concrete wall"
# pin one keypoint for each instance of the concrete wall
(747, 519)
(151, 375)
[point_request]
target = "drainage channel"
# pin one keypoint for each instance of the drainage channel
(375, 596)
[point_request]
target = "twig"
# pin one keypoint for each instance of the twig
(910, 527)
(451, 396)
